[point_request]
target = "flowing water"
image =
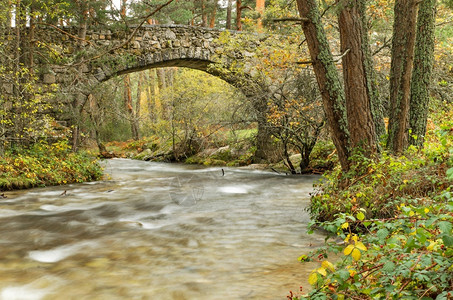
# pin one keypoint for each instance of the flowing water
(158, 231)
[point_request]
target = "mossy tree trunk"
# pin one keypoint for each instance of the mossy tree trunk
(358, 91)
(327, 78)
(421, 75)
(403, 45)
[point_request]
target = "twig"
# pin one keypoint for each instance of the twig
(291, 19)
(340, 56)
(385, 44)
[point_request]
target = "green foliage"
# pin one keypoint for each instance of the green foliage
(379, 185)
(44, 165)
(407, 256)
(391, 222)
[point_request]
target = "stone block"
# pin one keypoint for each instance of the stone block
(170, 35)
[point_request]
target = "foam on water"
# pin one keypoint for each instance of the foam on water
(22, 293)
(56, 254)
(233, 189)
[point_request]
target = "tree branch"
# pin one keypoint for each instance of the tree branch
(291, 19)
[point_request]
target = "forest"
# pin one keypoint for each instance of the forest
(357, 90)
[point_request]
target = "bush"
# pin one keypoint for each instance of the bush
(392, 221)
(404, 257)
(43, 165)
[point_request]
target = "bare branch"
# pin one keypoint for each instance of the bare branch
(291, 19)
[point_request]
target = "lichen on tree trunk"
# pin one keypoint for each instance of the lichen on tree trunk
(421, 75)
(327, 77)
(357, 88)
(400, 73)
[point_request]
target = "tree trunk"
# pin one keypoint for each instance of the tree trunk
(140, 81)
(128, 104)
(204, 14)
(260, 4)
(31, 42)
(327, 78)
(401, 72)
(357, 88)
(228, 16)
(150, 95)
(77, 105)
(375, 101)
(238, 15)
(421, 76)
(212, 17)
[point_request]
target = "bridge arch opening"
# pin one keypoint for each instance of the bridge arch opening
(175, 113)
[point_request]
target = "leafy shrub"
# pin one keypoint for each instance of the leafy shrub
(392, 221)
(407, 256)
(43, 165)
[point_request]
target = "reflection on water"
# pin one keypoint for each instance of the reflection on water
(158, 231)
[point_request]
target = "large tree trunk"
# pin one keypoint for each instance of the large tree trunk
(357, 88)
(327, 78)
(377, 109)
(421, 75)
(400, 73)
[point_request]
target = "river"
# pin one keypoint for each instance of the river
(158, 231)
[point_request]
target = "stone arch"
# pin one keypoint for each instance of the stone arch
(151, 46)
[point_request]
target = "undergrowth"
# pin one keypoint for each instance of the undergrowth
(45, 165)
(390, 222)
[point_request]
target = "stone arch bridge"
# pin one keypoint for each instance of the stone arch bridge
(81, 65)
(107, 54)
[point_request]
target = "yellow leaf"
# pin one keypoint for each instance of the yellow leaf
(347, 238)
(431, 245)
(352, 272)
(356, 254)
(313, 278)
(360, 246)
(345, 225)
(348, 250)
(322, 271)
(328, 265)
